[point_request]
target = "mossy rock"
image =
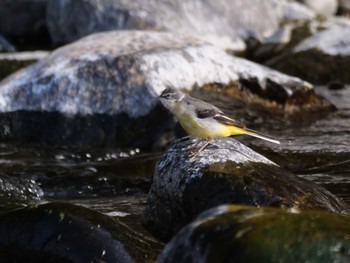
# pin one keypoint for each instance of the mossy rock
(243, 234)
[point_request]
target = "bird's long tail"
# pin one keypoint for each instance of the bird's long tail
(261, 136)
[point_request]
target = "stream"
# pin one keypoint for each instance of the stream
(116, 182)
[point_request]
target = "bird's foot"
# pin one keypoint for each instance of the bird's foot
(194, 152)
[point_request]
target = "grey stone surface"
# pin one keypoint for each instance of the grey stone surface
(108, 81)
(330, 41)
(226, 171)
(69, 20)
(325, 8)
(122, 71)
(320, 58)
(293, 11)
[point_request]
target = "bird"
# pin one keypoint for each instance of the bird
(204, 120)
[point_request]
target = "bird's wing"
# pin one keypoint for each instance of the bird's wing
(205, 110)
(226, 120)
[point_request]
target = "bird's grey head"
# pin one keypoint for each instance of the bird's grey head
(170, 97)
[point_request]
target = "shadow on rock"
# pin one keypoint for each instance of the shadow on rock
(225, 172)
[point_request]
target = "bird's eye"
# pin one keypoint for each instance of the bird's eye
(166, 96)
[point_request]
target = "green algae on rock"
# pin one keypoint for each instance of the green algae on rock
(244, 234)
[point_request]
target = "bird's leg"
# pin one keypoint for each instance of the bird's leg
(194, 154)
(183, 138)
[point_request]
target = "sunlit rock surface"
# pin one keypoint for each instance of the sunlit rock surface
(321, 58)
(72, 19)
(58, 232)
(225, 172)
(243, 234)
(110, 81)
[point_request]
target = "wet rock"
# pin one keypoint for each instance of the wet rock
(24, 21)
(325, 8)
(11, 62)
(70, 20)
(16, 192)
(101, 90)
(67, 233)
(321, 58)
(225, 172)
(86, 131)
(242, 234)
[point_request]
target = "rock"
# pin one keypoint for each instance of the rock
(57, 232)
(225, 172)
(101, 90)
(24, 21)
(16, 192)
(295, 12)
(344, 7)
(72, 19)
(273, 44)
(321, 58)
(11, 62)
(243, 234)
(325, 8)
(296, 23)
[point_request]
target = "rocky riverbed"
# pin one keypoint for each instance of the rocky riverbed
(94, 169)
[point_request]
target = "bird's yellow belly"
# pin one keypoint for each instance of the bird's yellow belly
(194, 128)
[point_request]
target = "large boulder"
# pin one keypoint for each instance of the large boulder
(326, 8)
(102, 89)
(72, 19)
(243, 234)
(226, 171)
(320, 58)
(58, 232)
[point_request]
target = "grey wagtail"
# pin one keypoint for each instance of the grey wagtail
(203, 120)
